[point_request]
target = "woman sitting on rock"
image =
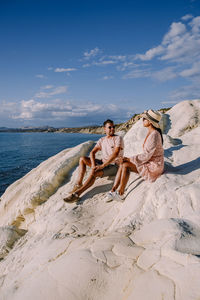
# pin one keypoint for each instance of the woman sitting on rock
(149, 164)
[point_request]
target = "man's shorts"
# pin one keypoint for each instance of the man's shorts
(110, 170)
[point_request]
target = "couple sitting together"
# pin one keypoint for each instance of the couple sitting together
(149, 164)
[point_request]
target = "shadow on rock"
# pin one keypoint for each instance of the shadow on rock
(168, 152)
(134, 187)
(184, 168)
(166, 123)
(96, 190)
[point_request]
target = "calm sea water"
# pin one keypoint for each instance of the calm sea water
(21, 152)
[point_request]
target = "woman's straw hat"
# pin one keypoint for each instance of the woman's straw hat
(153, 116)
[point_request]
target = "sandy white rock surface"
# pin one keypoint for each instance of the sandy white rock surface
(147, 247)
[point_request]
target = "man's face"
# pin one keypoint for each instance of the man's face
(109, 129)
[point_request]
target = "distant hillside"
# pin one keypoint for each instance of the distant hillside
(28, 129)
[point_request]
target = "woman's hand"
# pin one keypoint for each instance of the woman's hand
(120, 160)
(123, 159)
(126, 159)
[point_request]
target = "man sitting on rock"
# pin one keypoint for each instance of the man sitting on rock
(111, 147)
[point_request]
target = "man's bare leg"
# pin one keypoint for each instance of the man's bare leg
(83, 162)
(90, 181)
(126, 168)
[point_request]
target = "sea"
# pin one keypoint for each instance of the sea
(21, 152)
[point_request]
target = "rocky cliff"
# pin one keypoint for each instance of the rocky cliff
(147, 247)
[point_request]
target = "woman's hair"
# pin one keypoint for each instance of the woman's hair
(160, 131)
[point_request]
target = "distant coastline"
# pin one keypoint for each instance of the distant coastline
(88, 129)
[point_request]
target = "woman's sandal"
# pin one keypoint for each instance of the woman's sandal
(72, 198)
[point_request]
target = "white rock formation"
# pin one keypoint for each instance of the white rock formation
(147, 247)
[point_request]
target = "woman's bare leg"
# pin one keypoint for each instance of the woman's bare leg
(83, 162)
(126, 168)
(117, 179)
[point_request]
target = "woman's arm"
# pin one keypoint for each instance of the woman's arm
(150, 147)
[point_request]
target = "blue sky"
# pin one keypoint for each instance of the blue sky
(77, 63)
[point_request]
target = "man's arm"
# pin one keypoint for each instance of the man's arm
(110, 159)
(92, 155)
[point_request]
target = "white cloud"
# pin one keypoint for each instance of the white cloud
(186, 92)
(7, 107)
(67, 113)
(176, 29)
(104, 62)
(60, 70)
(180, 44)
(32, 109)
(180, 47)
(176, 56)
(169, 102)
(56, 91)
(165, 74)
(61, 111)
(46, 87)
(107, 77)
(171, 43)
(151, 53)
(126, 65)
(91, 53)
(137, 73)
(64, 114)
(195, 24)
(100, 63)
(193, 71)
(88, 107)
(117, 57)
(187, 17)
(40, 76)
(86, 65)
(161, 75)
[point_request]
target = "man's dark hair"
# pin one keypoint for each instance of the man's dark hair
(108, 121)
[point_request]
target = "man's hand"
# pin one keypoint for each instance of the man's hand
(99, 167)
(93, 167)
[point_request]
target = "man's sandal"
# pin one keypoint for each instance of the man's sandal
(76, 187)
(72, 198)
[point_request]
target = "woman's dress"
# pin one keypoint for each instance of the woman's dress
(150, 164)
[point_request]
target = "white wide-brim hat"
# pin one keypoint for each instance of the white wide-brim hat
(152, 116)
